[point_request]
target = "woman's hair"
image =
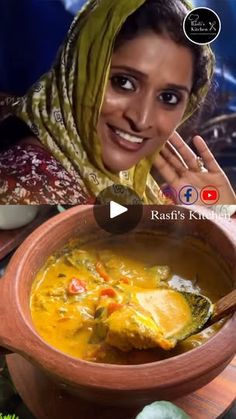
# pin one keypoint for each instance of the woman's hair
(166, 17)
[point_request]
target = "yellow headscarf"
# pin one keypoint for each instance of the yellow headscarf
(62, 109)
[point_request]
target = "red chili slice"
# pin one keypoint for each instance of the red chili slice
(113, 307)
(101, 270)
(125, 280)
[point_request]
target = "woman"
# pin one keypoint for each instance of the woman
(108, 110)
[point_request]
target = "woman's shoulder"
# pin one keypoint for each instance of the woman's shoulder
(29, 174)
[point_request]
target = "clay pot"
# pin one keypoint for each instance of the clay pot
(113, 384)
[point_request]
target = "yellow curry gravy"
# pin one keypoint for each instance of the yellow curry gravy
(84, 282)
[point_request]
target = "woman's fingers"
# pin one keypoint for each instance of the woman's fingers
(185, 151)
(165, 169)
(207, 157)
(174, 158)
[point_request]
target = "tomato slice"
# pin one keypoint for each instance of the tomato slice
(76, 286)
(108, 292)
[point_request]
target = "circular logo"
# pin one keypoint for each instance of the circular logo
(202, 25)
(168, 192)
(209, 195)
(118, 209)
(188, 195)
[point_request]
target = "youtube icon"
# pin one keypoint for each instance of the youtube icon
(209, 195)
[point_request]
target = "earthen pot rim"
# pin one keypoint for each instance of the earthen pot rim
(86, 373)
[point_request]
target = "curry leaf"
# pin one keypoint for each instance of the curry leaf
(162, 410)
(98, 313)
(99, 333)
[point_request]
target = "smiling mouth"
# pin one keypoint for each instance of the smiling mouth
(128, 137)
(126, 140)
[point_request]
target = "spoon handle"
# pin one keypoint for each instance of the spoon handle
(224, 306)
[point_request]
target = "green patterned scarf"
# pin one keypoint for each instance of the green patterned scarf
(62, 109)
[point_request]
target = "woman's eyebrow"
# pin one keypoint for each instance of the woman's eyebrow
(178, 87)
(144, 76)
(129, 69)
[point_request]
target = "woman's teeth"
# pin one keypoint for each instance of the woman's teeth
(128, 137)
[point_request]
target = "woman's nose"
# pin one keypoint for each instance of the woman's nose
(140, 114)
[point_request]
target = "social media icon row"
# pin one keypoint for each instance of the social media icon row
(188, 194)
(118, 209)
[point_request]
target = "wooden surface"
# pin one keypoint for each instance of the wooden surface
(10, 239)
(46, 401)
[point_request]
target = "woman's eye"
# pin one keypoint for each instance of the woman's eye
(122, 82)
(169, 98)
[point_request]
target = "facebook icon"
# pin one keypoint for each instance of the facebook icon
(188, 195)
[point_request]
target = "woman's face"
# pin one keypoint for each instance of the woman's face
(148, 90)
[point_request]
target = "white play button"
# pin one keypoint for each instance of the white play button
(116, 209)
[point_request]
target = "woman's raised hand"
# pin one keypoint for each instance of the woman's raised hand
(180, 166)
